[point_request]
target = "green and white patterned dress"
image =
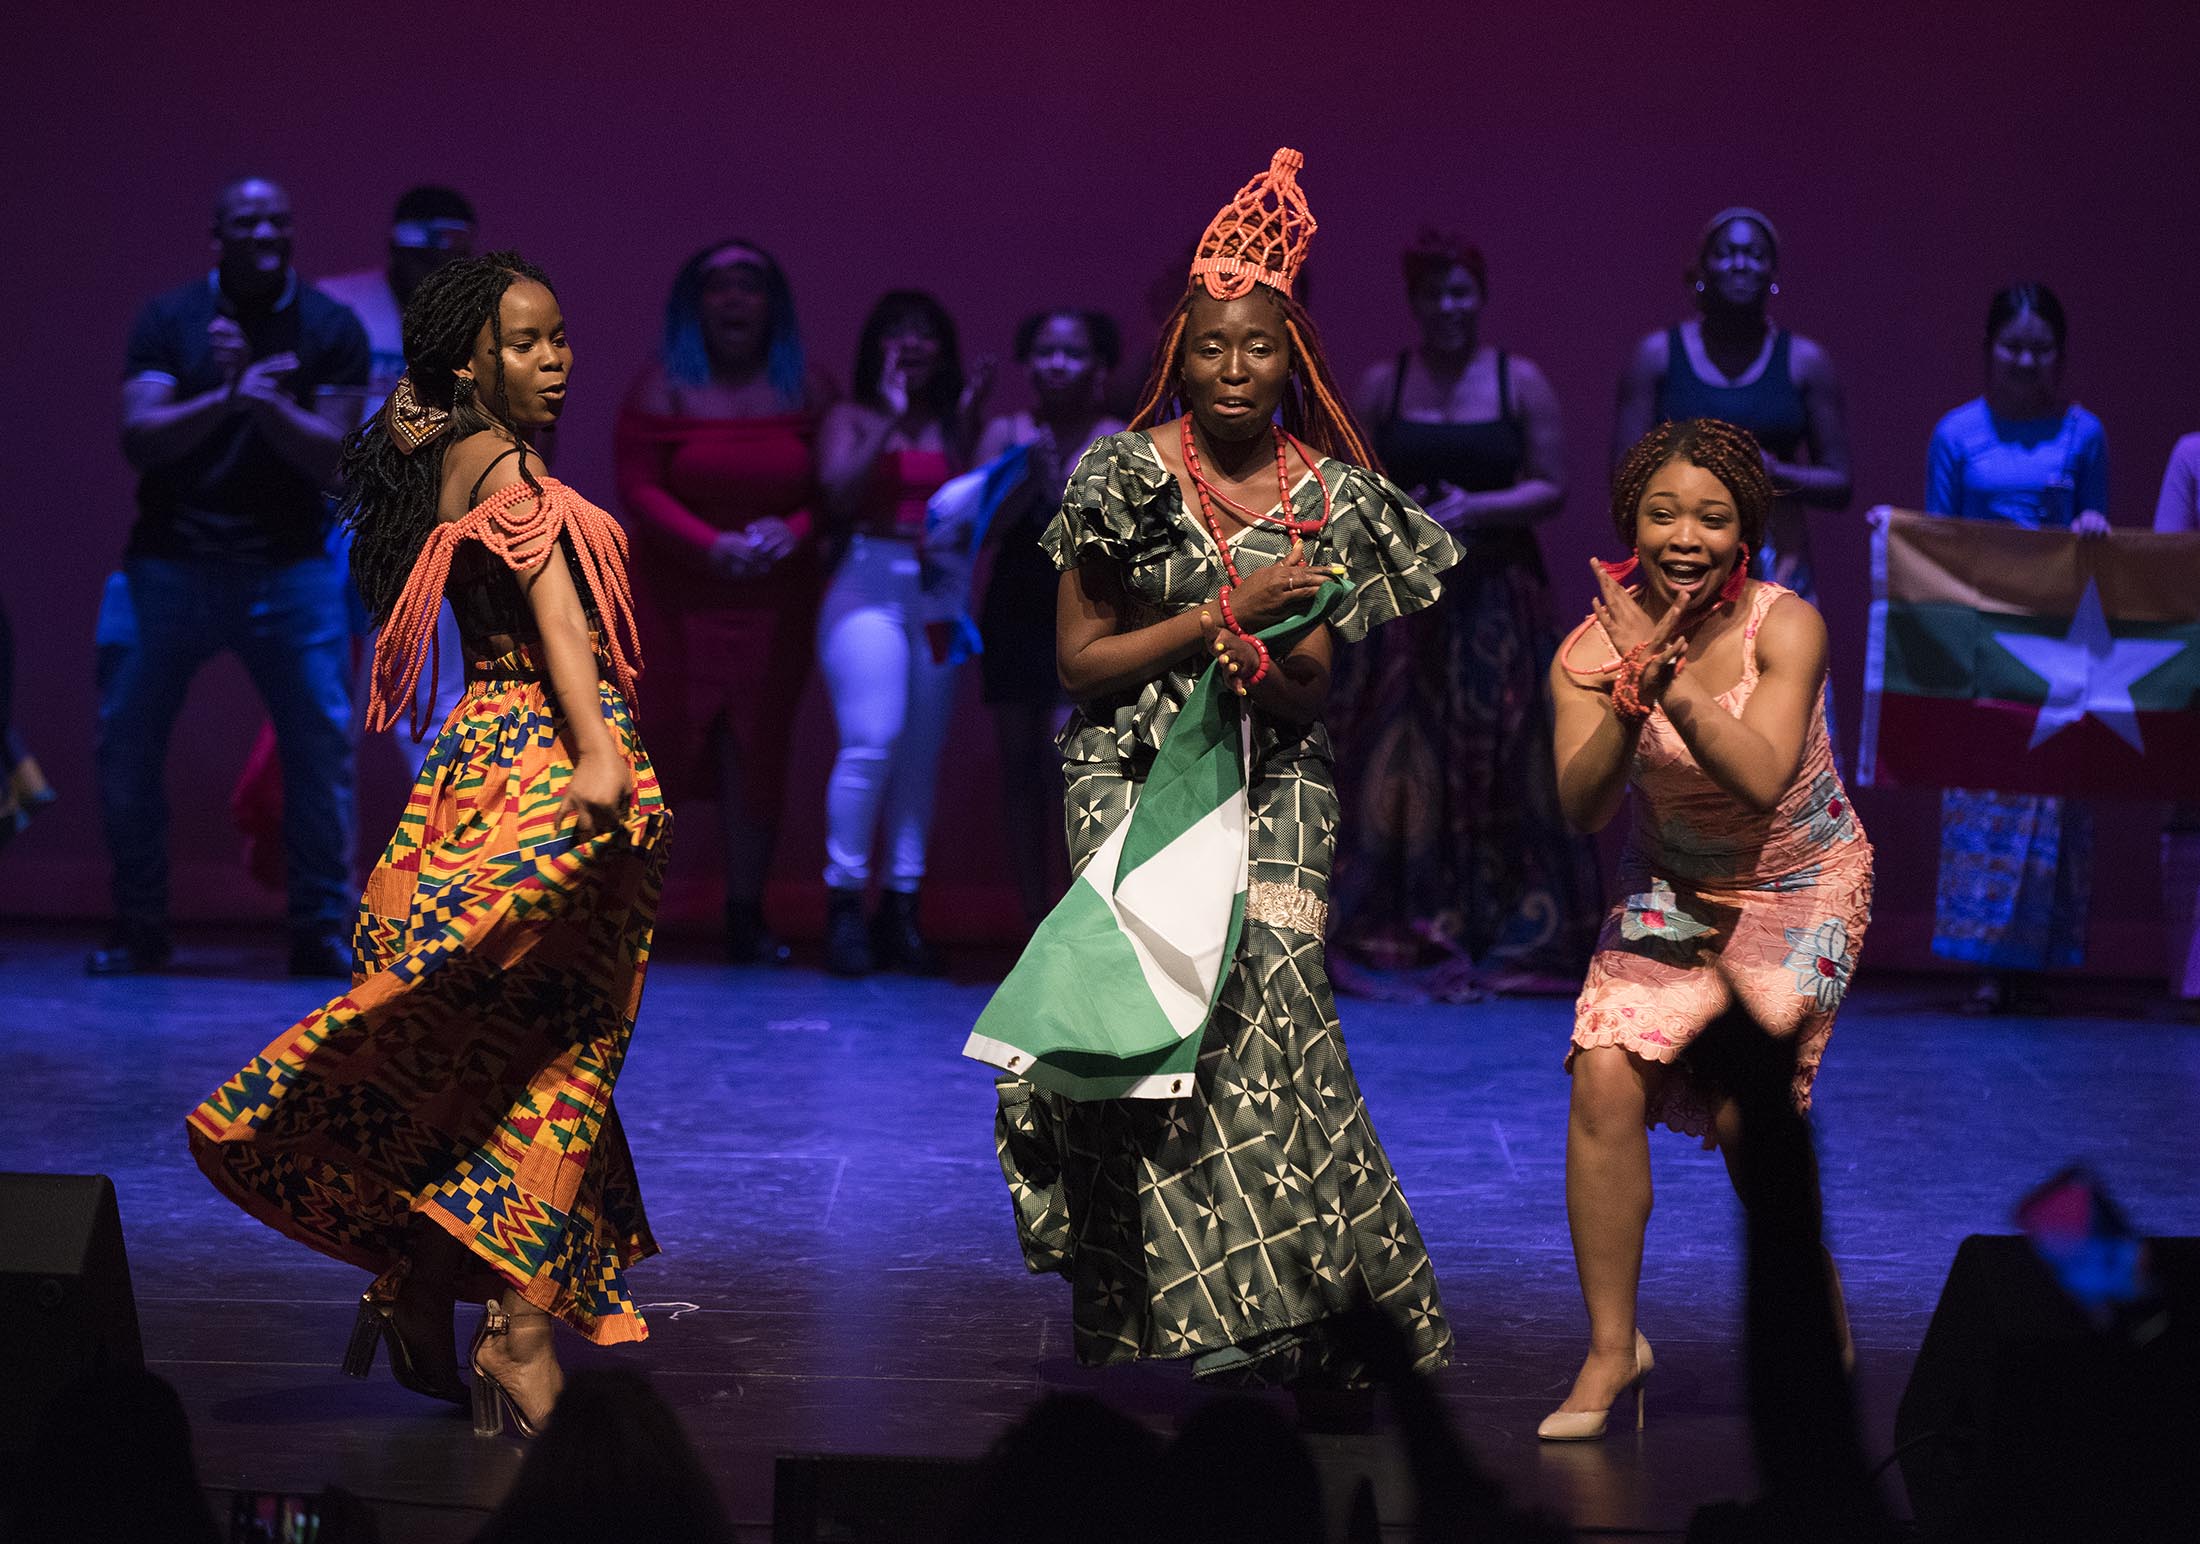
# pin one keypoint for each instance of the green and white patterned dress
(1230, 1224)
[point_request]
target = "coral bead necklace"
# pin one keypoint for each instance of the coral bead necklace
(1280, 519)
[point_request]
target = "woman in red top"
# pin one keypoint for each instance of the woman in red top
(716, 470)
(881, 457)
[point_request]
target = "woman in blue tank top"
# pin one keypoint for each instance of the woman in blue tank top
(1732, 363)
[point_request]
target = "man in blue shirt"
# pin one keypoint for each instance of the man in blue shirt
(238, 391)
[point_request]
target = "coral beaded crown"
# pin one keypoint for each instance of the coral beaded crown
(1260, 236)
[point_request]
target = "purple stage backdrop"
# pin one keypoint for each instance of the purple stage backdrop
(1007, 156)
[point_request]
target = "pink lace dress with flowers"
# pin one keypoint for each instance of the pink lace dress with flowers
(1720, 899)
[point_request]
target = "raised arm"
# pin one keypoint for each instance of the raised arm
(1754, 756)
(1591, 744)
(309, 438)
(1824, 481)
(848, 446)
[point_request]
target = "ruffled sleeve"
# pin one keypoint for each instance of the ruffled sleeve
(1100, 511)
(1391, 552)
(521, 525)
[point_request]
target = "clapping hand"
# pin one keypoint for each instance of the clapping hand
(261, 383)
(977, 386)
(1628, 627)
(232, 351)
(893, 382)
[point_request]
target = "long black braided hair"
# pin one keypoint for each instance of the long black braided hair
(389, 499)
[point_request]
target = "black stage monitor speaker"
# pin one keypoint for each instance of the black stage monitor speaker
(65, 1302)
(849, 1499)
(2025, 1420)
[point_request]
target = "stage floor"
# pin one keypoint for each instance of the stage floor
(840, 1272)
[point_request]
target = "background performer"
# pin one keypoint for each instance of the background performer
(717, 465)
(1456, 872)
(1733, 363)
(2016, 869)
(910, 425)
(1069, 356)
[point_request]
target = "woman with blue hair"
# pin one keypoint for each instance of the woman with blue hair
(717, 471)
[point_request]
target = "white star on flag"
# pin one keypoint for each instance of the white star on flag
(2089, 671)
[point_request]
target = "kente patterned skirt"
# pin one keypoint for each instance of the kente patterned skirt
(466, 1077)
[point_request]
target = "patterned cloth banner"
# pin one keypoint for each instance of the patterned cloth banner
(956, 518)
(2032, 661)
(1109, 998)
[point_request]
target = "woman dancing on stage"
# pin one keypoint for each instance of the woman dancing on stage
(447, 1123)
(1746, 873)
(1232, 1224)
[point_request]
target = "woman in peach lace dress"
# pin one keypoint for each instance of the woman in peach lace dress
(1746, 874)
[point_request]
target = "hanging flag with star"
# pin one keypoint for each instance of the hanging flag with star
(2032, 661)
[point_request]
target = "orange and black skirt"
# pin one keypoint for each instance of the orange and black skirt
(466, 1077)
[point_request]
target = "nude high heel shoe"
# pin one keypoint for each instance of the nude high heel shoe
(1588, 1425)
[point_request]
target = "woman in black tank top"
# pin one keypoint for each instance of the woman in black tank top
(1456, 873)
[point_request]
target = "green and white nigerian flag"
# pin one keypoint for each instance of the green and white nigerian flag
(1109, 998)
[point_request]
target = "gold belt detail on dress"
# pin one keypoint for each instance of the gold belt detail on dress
(1286, 906)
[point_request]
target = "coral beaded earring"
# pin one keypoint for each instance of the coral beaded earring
(1731, 591)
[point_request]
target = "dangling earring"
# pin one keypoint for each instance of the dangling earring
(1731, 591)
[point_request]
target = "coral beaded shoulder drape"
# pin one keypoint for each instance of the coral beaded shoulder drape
(521, 524)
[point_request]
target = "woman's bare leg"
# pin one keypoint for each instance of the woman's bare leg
(1608, 1209)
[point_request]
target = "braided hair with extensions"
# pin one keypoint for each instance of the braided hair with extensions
(1727, 451)
(1313, 408)
(389, 499)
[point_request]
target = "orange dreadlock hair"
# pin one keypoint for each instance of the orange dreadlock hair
(1727, 451)
(1313, 407)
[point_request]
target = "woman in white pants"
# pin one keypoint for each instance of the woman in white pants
(881, 455)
